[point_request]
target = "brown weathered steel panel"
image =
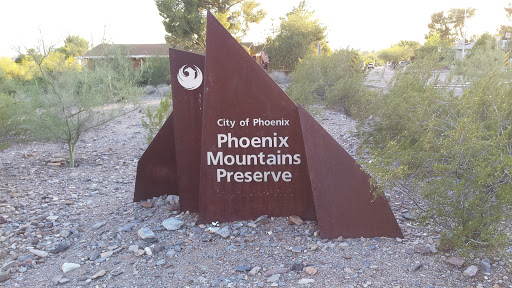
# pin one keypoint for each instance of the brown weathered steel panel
(187, 98)
(344, 202)
(156, 169)
(238, 89)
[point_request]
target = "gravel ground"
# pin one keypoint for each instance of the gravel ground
(79, 228)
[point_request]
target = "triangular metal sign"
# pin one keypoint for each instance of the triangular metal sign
(257, 153)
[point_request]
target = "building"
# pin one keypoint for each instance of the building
(137, 52)
(257, 53)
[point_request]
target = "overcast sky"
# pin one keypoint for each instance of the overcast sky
(365, 25)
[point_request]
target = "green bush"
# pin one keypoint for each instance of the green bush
(156, 71)
(67, 102)
(336, 80)
(156, 119)
(451, 155)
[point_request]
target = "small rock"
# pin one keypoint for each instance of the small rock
(486, 265)
(296, 249)
(133, 248)
(470, 271)
(57, 278)
(172, 224)
(305, 281)
(224, 232)
(38, 253)
(93, 255)
(415, 267)
(408, 216)
(66, 267)
(455, 261)
(4, 276)
(52, 218)
(61, 247)
(275, 271)
(65, 233)
(296, 220)
(310, 270)
(98, 225)
(297, 266)
(3, 220)
(423, 250)
(99, 274)
(146, 204)
(160, 262)
(146, 233)
(274, 278)
(243, 268)
(148, 251)
(64, 280)
(254, 271)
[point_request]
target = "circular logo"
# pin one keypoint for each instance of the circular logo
(190, 77)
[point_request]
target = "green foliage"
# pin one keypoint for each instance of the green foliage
(74, 46)
(484, 59)
(185, 23)
(437, 48)
(156, 71)
(298, 37)
(67, 102)
(449, 27)
(336, 79)
(156, 120)
(451, 155)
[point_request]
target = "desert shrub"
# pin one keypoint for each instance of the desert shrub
(336, 80)
(156, 119)
(156, 71)
(67, 102)
(452, 155)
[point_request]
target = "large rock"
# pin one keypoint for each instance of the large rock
(455, 261)
(470, 271)
(146, 233)
(172, 224)
(66, 267)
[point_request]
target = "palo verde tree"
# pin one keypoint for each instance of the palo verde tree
(449, 26)
(66, 101)
(185, 20)
(298, 37)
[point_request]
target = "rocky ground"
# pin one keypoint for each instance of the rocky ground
(79, 228)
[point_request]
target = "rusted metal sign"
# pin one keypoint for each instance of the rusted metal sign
(245, 149)
(342, 192)
(156, 170)
(187, 97)
(252, 153)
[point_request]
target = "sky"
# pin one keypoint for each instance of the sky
(368, 25)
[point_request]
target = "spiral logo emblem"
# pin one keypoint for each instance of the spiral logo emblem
(190, 77)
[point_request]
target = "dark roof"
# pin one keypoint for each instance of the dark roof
(132, 50)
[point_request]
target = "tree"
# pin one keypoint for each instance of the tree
(185, 23)
(74, 46)
(403, 50)
(449, 27)
(67, 102)
(298, 37)
(336, 80)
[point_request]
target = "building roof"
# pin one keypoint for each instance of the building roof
(132, 50)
